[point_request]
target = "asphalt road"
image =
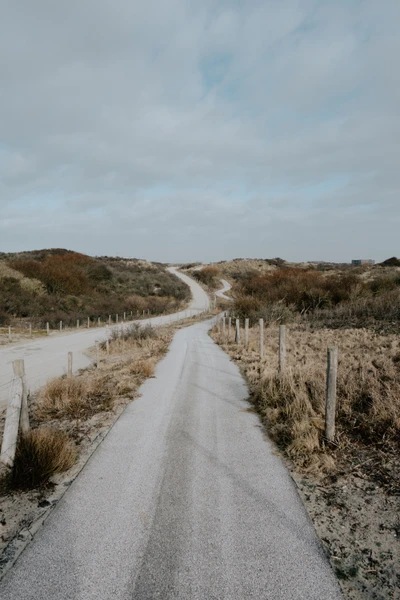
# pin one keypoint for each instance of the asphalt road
(226, 287)
(184, 499)
(47, 357)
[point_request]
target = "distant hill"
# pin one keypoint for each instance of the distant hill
(57, 284)
(391, 262)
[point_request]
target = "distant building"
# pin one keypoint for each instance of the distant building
(362, 261)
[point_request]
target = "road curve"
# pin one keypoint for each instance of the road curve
(226, 288)
(185, 499)
(47, 357)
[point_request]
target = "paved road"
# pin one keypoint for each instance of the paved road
(226, 288)
(185, 499)
(47, 357)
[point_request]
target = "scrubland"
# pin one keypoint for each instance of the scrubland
(60, 285)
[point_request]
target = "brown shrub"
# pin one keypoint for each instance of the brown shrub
(207, 275)
(40, 454)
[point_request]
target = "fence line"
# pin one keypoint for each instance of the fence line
(331, 372)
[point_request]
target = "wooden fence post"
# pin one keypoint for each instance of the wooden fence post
(19, 372)
(108, 346)
(9, 334)
(330, 407)
(99, 322)
(246, 332)
(237, 333)
(224, 327)
(88, 322)
(60, 325)
(30, 330)
(77, 323)
(261, 327)
(48, 328)
(229, 327)
(282, 348)
(69, 364)
(124, 316)
(11, 426)
(116, 318)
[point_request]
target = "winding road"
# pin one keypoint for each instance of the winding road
(226, 287)
(47, 357)
(185, 499)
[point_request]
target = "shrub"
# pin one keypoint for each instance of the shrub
(207, 275)
(40, 454)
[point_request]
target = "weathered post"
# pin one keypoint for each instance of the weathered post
(261, 327)
(246, 332)
(224, 327)
(19, 372)
(99, 322)
(88, 322)
(9, 334)
(107, 346)
(60, 325)
(11, 425)
(30, 330)
(116, 318)
(124, 316)
(109, 319)
(237, 333)
(48, 328)
(229, 327)
(282, 348)
(69, 364)
(330, 407)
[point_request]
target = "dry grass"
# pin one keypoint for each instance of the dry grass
(292, 404)
(75, 398)
(40, 454)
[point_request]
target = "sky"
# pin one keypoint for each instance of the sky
(179, 130)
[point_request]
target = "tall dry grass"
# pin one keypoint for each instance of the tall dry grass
(40, 454)
(292, 404)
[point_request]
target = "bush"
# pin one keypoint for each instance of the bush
(40, 454)
(207, 275)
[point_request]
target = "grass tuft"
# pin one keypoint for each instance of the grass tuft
(40, 454)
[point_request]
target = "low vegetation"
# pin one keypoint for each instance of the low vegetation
(292, 404)
(40, 454)
(208, 276)
(60, 285)
(334, 298)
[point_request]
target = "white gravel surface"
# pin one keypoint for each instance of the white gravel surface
(185, 499)
(47, 357)
(226, 288)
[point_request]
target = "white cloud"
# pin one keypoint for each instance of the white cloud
(179, 130)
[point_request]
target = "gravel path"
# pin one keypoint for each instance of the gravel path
(185, 499)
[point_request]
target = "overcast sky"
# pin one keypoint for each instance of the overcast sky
(181, 130)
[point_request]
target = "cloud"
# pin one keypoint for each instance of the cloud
(182, 130)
